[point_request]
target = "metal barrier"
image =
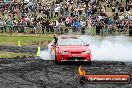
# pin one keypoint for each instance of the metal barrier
(92, 31)
(68, 30)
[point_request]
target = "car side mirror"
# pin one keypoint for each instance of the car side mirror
(87, 44)
(52, 45)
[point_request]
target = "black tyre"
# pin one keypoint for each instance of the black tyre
(56, 60)
(87, 63)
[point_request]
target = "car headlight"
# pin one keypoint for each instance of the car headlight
(64, 52)
(85, 52)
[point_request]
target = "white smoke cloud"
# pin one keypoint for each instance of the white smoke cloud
(45, 54)
(110, 49)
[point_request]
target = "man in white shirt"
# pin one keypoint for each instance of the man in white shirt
(1, 25)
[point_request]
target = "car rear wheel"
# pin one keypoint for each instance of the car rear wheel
(56, 61)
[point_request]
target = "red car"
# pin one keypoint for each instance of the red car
(70, 48)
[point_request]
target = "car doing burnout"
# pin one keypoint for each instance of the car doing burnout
(70, 49)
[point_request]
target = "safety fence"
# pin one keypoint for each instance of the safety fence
(66, 30)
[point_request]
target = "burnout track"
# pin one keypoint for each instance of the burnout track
(36, 73)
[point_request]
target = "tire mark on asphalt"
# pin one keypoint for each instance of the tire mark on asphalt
(33, 67)
(11, 81)
(49, 69)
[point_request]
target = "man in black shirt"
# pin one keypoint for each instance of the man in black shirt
(43, 25)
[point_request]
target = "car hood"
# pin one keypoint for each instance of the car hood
(74, 48)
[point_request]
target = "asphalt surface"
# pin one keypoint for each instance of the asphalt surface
(36, 73)
(32, 72)
(19, 49)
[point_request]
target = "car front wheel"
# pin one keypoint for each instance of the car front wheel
(56, 61)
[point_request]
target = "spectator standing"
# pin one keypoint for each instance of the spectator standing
(76, 24)
(1, 25)
(47, 25)
(38, 25)
(10, 24)
(98, 27)
(4, 25)
(83, 25)
(34, 26)
(14, 25)
(126, 25)
(43, 25)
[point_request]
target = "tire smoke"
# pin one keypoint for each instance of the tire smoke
(110, 48)
(45, 54)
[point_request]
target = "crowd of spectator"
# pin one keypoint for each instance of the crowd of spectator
(60, 16)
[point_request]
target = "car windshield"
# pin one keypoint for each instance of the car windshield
(67, 42)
